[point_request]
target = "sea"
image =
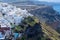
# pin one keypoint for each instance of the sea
(57, 8)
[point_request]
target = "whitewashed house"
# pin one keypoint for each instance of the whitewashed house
(11, 15)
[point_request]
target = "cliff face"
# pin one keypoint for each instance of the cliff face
(47, 15)
(50, 21)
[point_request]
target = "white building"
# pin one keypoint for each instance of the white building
(10, 14)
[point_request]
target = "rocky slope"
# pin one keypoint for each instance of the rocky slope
(45, 13)
(48, 15)
(50, 21)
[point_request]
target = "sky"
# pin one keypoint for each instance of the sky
(50, 0)
(31, 0)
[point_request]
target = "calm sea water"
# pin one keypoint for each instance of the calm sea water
(57, 8)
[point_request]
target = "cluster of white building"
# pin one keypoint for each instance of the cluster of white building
(11, 15)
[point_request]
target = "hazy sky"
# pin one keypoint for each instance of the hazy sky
(51, 0)
(31, 0)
